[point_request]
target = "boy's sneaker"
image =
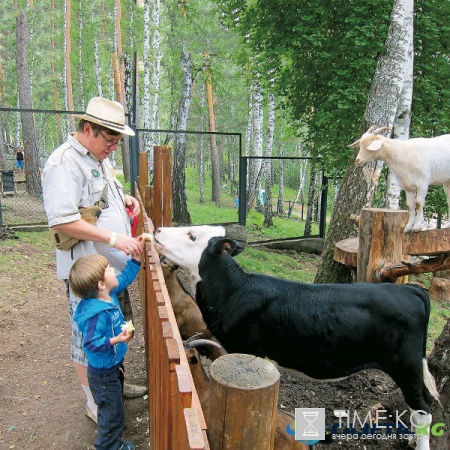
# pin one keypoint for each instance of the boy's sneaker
(91, 413)
(127, 445)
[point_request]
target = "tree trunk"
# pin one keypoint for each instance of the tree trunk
(146, 100)
(253, 182)
(301, 187)
(439, 364)
(402, 119)
(357, 189)
(215, 156)
(31, 149)
(267, 165)
(3, 117)
(2, 151)
(280, 208)
(68, 70)
(53, 71)
(180, 211)
(201, 156)
(156, 72)
(80, 55)
(97, 69)
(352, 197)
(311, 197)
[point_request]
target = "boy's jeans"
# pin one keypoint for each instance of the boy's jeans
(107, 392)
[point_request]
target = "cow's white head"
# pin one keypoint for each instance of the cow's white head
(184, 245)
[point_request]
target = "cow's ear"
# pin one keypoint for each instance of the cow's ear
(238, 248)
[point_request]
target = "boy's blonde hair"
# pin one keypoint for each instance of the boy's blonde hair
(85, 275)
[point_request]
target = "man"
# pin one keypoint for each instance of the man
(79, 174)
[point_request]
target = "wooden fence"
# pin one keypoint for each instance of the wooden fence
(176, 419)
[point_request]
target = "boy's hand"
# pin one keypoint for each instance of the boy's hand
(122, 337)
(141, 244)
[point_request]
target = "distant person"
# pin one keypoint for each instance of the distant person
(105, 337)
(20, 161)
(78, 174)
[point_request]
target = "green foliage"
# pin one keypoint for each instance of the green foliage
(324, 55)
(431, 101)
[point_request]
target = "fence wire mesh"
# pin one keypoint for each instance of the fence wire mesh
(291, 178)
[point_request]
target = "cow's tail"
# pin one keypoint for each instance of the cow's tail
(429, 381)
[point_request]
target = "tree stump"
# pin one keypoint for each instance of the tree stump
(439, 364)
(380, 243)
(243, 395)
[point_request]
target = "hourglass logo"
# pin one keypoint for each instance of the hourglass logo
(309, 424)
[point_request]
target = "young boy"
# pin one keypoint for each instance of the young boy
(100, 320)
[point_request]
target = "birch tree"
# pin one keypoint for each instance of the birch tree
(29, 138)
(267, 164)
(67, 66)
(382, 106)
(280, 207)
(147, 66)
(254, 166)
(180, 211)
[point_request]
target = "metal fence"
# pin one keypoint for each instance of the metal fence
(291, 177)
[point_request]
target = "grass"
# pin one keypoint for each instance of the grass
(290, 265)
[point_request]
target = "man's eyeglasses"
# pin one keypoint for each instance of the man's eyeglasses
(110, 142)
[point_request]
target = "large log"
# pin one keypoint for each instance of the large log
(428, 242)
(243, 395)
(380, 243)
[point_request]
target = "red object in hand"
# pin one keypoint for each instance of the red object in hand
(134, 220)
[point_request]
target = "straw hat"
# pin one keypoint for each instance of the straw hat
(108, 114)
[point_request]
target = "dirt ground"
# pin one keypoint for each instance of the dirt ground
(41, 401)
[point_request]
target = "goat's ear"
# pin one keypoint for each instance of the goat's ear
(375, 145)
(355, 144)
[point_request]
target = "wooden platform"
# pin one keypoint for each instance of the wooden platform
(346, 252)
(382, 252)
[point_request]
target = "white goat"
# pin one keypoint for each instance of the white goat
(416, 163)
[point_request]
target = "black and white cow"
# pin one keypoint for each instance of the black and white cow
(324, 331)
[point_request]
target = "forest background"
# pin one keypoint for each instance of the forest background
(296, 79)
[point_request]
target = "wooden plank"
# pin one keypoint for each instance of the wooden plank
(346, 252)
(194, 431)
(429, 242)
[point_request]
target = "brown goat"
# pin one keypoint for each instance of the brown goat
(187, 314)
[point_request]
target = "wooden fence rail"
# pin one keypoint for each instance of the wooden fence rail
(176, 420)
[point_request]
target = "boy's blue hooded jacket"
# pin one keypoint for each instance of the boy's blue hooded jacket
(99, 321)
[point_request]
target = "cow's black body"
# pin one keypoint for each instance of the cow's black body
(325, 331)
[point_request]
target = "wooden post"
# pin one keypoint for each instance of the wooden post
(380, 242)
(143, 174)
(162, 193)
(243, 395)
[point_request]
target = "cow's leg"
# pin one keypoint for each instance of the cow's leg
(419, 204)
(420, 425)
(410, 201)
(409, 376)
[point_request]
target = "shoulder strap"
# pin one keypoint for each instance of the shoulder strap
(103, 202)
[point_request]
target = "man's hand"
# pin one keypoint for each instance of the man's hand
(132, 204)
(129, 245)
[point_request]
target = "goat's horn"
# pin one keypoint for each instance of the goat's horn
(379, 130)
(200, 342)
(371, 129)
